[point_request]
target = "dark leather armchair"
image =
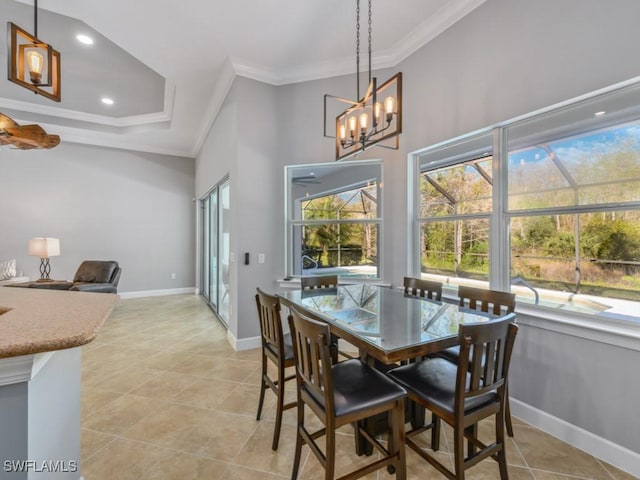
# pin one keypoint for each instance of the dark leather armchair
(97, 276)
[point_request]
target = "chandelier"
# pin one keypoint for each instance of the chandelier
(33, 64)
(375, 117)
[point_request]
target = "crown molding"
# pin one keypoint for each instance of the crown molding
(118, 142)
(220, 92)
(389, 58)
(119, 122)
(444, 18)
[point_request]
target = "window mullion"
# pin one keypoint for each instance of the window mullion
(499, 252)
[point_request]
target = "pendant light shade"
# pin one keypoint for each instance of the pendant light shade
(33, 64)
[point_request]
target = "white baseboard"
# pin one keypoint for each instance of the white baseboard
(157, 293)
(243, 343)
(599, 447)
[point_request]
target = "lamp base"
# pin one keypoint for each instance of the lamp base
(45, 270)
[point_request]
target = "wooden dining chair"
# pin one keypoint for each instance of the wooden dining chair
(484, 300)
(464, 393)
(277, 348)
(417, 287)
(342, 393)
(318, 281)
(488, 301)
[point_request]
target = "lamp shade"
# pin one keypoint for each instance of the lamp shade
(44, 247)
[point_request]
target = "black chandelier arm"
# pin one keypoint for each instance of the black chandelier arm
(364, 137)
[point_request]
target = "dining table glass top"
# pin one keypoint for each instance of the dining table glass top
(383, 317)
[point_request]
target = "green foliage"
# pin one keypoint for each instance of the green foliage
(538, 230)
(342, 244)
(561, 244)
(612, 239)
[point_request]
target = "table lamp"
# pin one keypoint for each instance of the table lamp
(44, 247)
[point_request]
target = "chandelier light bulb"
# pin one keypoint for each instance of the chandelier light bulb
(364, 122)
(343, 132)
(352, 125)
(377, 111)
(389, 105)
(35, 61)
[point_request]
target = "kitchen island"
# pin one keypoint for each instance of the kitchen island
(41, 332)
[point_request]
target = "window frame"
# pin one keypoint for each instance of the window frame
(291, 222)
(614, 329)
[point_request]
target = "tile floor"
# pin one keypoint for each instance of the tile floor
(164, 396)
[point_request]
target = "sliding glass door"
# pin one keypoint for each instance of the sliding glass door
(224, 209)
(215, 255)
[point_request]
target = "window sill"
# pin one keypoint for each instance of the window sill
(625, 334)
(608, 330)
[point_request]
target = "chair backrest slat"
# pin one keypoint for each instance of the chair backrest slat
(417, 287)
(489, 301)
(318, 281)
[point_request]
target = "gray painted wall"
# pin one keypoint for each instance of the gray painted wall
(217, 159)
(103, 204)
(506, 58)
(242, 144)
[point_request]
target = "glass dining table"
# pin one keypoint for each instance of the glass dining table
(384, 323)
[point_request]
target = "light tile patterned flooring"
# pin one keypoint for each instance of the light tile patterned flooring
(164, 396)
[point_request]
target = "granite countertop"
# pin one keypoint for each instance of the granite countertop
(36, 321)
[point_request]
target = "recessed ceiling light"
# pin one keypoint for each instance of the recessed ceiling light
(107, 101)
(599, 114)
(84, 39)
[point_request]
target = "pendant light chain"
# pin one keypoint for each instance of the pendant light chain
(358, 49)
(35, 19)
(367, 120)
(369, 41)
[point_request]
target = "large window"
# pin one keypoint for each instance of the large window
(334, 219)
(455, 202)
(548, 206)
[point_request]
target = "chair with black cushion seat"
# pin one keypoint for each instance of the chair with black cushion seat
(462, 394)
(342, 393)
(318, 281)
(488, 301)
(417, 287)
(277, 348)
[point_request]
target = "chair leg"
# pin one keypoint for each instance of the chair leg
(502, 456)
(472, 430)
(435, 432)
(279, 408)
(263, 386)
(330, 453)
(458, 452)
(507, 411)
(417, 414)
(396, 439)
(298, 452)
